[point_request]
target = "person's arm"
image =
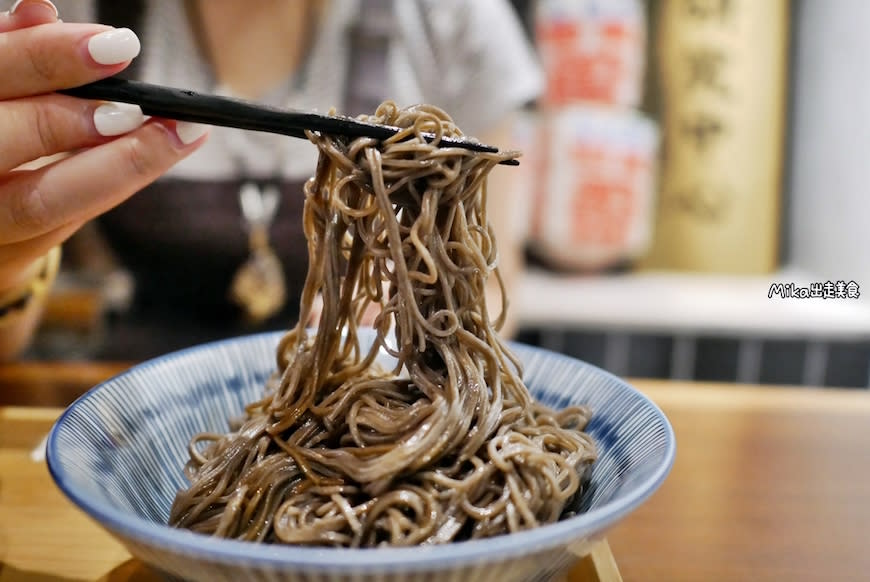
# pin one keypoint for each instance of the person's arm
(16, 331)
(22, 304)
(488, 73)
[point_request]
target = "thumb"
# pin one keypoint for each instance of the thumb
(27, 13)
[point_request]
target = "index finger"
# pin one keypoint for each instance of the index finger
(58, 55)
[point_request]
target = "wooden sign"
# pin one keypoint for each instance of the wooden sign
(721, 67)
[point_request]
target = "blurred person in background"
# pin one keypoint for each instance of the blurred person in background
(215, 245)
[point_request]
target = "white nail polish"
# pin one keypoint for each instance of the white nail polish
(190, 132)
(117, 118)
(114, 46)
(45, 3)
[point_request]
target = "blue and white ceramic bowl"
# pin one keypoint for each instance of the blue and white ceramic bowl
(118, 454)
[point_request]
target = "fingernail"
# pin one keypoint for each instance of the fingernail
(114, 46)
(117, 118)
(35, 3)
(190, 132)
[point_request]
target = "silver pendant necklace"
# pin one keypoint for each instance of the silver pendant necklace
(258, 286)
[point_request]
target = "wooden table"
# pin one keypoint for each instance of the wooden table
(769, 484)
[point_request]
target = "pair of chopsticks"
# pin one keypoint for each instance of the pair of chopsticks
(186, 105)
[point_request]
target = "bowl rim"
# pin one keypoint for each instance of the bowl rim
(356, 560)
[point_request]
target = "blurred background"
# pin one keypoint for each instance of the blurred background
(696, 194)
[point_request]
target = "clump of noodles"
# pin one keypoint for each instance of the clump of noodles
(448, 445)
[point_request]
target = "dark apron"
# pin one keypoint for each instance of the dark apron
(184, 240)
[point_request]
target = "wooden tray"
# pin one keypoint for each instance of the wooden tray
(45, 537)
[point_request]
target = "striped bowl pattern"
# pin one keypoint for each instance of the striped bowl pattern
(118, 453)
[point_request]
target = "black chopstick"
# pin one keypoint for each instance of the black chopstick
(186, 105)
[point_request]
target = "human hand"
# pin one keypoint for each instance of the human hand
(114, 151)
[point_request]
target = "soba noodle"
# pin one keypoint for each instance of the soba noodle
(449, 444)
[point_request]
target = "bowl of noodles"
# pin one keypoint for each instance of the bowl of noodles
(422, 447)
